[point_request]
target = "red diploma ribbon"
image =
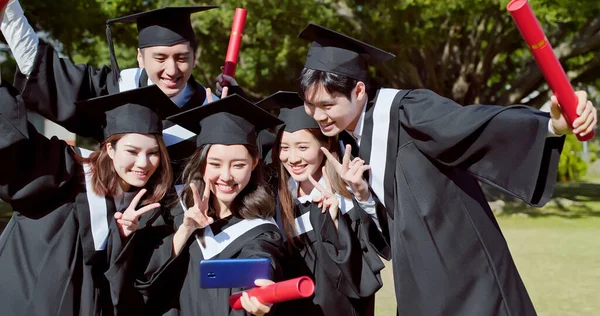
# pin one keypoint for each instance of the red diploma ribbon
(235, 41)
(293, 289)
(544, 56)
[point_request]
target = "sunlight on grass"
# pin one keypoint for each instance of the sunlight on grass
(5, 212)
(559, 262)
(558, 259)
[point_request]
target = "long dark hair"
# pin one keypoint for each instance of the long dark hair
(286, 201)
(105, 180)
(254, 201)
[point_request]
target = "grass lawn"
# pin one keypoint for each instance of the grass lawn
(556, 249)
(5, 214)
(558, 259)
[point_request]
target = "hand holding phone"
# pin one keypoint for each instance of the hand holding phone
(233, 273)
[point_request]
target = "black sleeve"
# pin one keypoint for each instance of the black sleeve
(55, 84)
(140, 272)
(35, 170)
(237, 90)
(505, 146)
(346, 254)
(266, 245)
(367, 231)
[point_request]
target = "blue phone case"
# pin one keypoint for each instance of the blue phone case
(233, 273)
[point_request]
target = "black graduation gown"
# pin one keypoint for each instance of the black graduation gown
(449, 255)
(170, 285)
(50, 258)
(130, 289)
(343, 262)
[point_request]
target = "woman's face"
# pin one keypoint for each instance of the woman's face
(228, 171)
(135, 159)
(300, 154)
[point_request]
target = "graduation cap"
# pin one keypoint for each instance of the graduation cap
(134, 111)
(340, 54)
(160, 27)
(229, 121)
(291, 112)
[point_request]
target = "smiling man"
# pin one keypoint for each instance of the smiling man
(427, 154)
(166, 57)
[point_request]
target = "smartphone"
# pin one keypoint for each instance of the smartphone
(233, 273)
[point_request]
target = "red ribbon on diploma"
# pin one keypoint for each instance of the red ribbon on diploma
(235, 41)
(293, 289)
(544, 56)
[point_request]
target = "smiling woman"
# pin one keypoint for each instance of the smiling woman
(225, 211)
(228, 170)
(84, 204)
(120, 165)
(328, 220)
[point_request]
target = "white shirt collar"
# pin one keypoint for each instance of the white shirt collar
(358, 129)
(293, 185)
(345, 204)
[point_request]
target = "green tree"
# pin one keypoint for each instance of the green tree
(467, 50)
(572, 166)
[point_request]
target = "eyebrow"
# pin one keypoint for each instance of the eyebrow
(138, 148)
(320, 102)
(185, 53)
(219, 160)
(296, 143)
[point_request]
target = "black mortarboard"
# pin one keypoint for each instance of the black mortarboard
(160, 27)
(291, 111)
(230, 121)
(340, 54)
(134, 111)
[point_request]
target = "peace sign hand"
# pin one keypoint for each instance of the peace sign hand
(209, 95)
(351, 172)
(196, 217)
(327, 199)
(128, 221)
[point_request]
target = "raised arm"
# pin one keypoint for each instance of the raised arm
(20, 36)
(35, 170)
(508, 147)
(49, 84)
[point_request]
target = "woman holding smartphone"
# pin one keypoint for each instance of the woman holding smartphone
(225, 211)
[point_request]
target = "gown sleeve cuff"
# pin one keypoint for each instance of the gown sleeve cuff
(370, 207)
(551, 132)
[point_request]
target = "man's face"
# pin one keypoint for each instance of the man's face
(168, 67)
(334, 112)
